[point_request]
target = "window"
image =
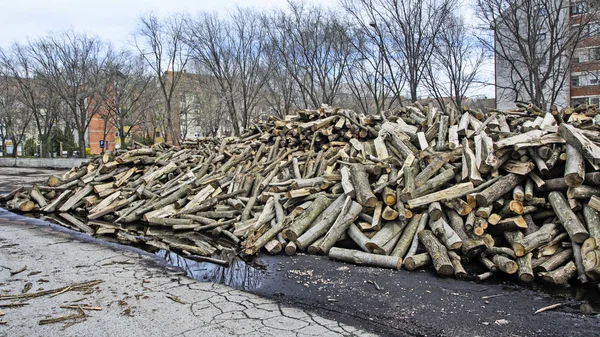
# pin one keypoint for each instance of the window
(541, 37)
(575, 81)
(157, 134)
(539, 11)
(578, 7)
(595, 54)
(594, 28)
(593, 79)
(595, 100)
(578, 101)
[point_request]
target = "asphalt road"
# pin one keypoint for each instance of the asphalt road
(400, 303)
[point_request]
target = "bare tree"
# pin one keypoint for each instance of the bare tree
(280, 88)
(73, 67)
(130, 92)
(376, 73)
(534, 42)
(406, 30)
(231, 50)
(160, 42)
(15, 117)
(457, 60)
(42, 103)
(315, 48)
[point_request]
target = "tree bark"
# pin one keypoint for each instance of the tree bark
(438, 253)
(569, 220)
(367, 259)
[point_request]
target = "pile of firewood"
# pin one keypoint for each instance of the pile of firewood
(516, 191)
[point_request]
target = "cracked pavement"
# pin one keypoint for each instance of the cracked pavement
(139, 295)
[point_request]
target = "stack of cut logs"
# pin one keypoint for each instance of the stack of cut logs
(515, 191)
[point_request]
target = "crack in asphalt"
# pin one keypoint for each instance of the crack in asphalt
(135, 295)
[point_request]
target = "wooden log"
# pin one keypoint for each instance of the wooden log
(321, 224)
(559, 184)
(583, 192)
(560, 275)
(273, 247)
(528, 190)
(384, 235)
(115, 206)
(22, 205)
(574, 167)
(555, 261)
(54, 181)
(470, 169)
(519, 193)
(442, 133)
(76, 198)
(484, 212)
(589, 149)
(459, 205)
(470, 247)
(170, 222)
(408, 235)
(51, 207)
(569, 220)
(591, 263)
(445, 234)
(578, 258)
(346, 183)
(438, 253)
(389, 214)
(487, 263)
(37, 196)
(409, 171)
(291, 248)
(435, 211)
(446, 194)
(376, 220)
(11, 194)
(595, 202)
(417, 261)
(498, 189)
(389, 196)
(300, 224)
(459, 270)
(538, 161)
(78, 223)
(434, 183)
(358, 237)
(505, 264)
(360, 181)
(430, 170)
(453, 137)
(501, 251)
(525, 272)
(400, 205)
(367, 259)
(344, 220)
(592, 220)
(508, 224)
(532, 241)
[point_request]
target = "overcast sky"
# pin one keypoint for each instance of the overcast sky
(115, 20)
(112, 20)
